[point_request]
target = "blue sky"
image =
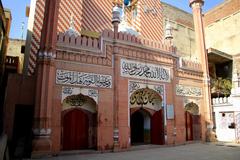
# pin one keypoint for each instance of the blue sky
(184, 4)
(18, 7)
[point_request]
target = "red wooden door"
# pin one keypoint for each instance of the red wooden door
(196, 127)
(75, 130)
(157, 128)
(189, 126)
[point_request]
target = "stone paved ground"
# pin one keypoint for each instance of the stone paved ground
(185, 152)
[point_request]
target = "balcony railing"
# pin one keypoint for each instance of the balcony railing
(220, 100)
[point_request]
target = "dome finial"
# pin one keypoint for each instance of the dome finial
(72, 31)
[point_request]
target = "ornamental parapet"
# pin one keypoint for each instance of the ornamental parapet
(75, 43)
(96, 44)
(189, 69)
(132, 39)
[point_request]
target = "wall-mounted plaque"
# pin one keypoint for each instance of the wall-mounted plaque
(170, 111)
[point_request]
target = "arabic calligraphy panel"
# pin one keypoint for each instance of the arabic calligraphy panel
(142, 70)
(83, 79)
(190, 91)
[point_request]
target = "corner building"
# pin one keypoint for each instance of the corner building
(109, 90)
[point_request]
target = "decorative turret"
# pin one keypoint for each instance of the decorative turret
(168, 33)
(116, 19)
(196, 1)
(72, 31)
(126, 10)
(116, 14)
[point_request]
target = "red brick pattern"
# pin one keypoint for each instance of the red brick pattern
(36, 35)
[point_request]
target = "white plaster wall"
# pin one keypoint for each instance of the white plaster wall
(225, 133)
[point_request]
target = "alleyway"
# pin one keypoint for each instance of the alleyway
(184, 152)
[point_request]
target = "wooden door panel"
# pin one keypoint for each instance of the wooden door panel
(196, 127)
(189, 126)
(75, 130)
(157, 128)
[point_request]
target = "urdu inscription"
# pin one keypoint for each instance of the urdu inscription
(83, 79)
(144, 71)
(190, 91)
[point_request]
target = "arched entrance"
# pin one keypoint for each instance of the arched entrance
(146, 121)
(79, 122)
(192, 122)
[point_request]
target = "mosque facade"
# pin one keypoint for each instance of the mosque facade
(104, 77)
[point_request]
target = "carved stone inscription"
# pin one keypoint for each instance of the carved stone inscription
(83, 79)
(144, 71)
(190, 91)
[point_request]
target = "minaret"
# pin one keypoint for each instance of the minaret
(45, 75)
(196, 6)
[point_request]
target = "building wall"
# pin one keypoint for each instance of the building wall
(5, 23)
(222, 30)
(153, 64)
(182, 29)
(21, 91)
(113, 109)
(91, 17)
(29, 39)
(222, 33)
(14, 49)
